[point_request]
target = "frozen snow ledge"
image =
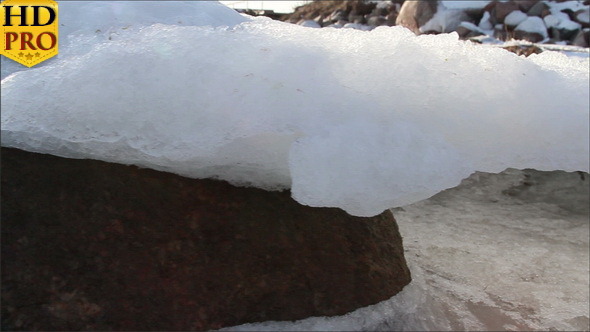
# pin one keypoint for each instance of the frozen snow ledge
(363, 121)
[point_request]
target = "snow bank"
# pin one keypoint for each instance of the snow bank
(359, 120)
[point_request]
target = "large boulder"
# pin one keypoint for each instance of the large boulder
(414, 14)
(90, 245)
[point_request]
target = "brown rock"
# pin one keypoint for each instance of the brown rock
(501, 32)
(325, 8)
(415, 14)
(582, 39)
(502, 9)
(525, 50)
(533, 37)
(90, 245)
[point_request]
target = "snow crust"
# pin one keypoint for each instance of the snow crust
(359, 120)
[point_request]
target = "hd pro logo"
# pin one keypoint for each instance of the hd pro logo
(30, 30)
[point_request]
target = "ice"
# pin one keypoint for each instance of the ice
(506, 251)
(90, 22)
(533, 24)
(515, 18)
(353, 119)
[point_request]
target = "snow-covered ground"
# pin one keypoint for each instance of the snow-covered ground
(361, 120)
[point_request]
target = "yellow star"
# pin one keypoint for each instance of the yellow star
(29, 56)
(21, 54)
(37, 54)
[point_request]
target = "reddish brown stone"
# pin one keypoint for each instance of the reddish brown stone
(502, 9)
(89, 245)
(533, 37)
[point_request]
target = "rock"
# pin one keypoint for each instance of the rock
(376, 21)
(582, 39)
(561, 27)
(538, 9)
(525, 50)
(500, 32)
(532, 29)
(526, 5)
(337, 15)
(414, 14)
(533, 37)
(391, 18)
(341, 9)
(90, 245)
(582, 16)
(502, 9)
(514, 19)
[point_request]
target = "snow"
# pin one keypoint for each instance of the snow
(506, 251)
(92, 22)
(533, 24)
(359, 120)
(462, 5)
(485, 23)
(572, 5)
(470, 26)
(447, 19)
(560, 21)
(584, 15)
(309, 24)
(357, 26)
(515, 18)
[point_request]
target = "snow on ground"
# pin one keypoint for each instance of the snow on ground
(506, 251)
(359, 120)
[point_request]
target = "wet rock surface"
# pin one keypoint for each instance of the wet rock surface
(90, 245)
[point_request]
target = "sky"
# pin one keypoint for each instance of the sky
(277, 6)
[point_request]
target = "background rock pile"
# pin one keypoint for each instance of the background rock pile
(552, 22)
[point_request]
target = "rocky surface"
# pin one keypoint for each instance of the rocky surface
(89, 245)
(553, 21)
